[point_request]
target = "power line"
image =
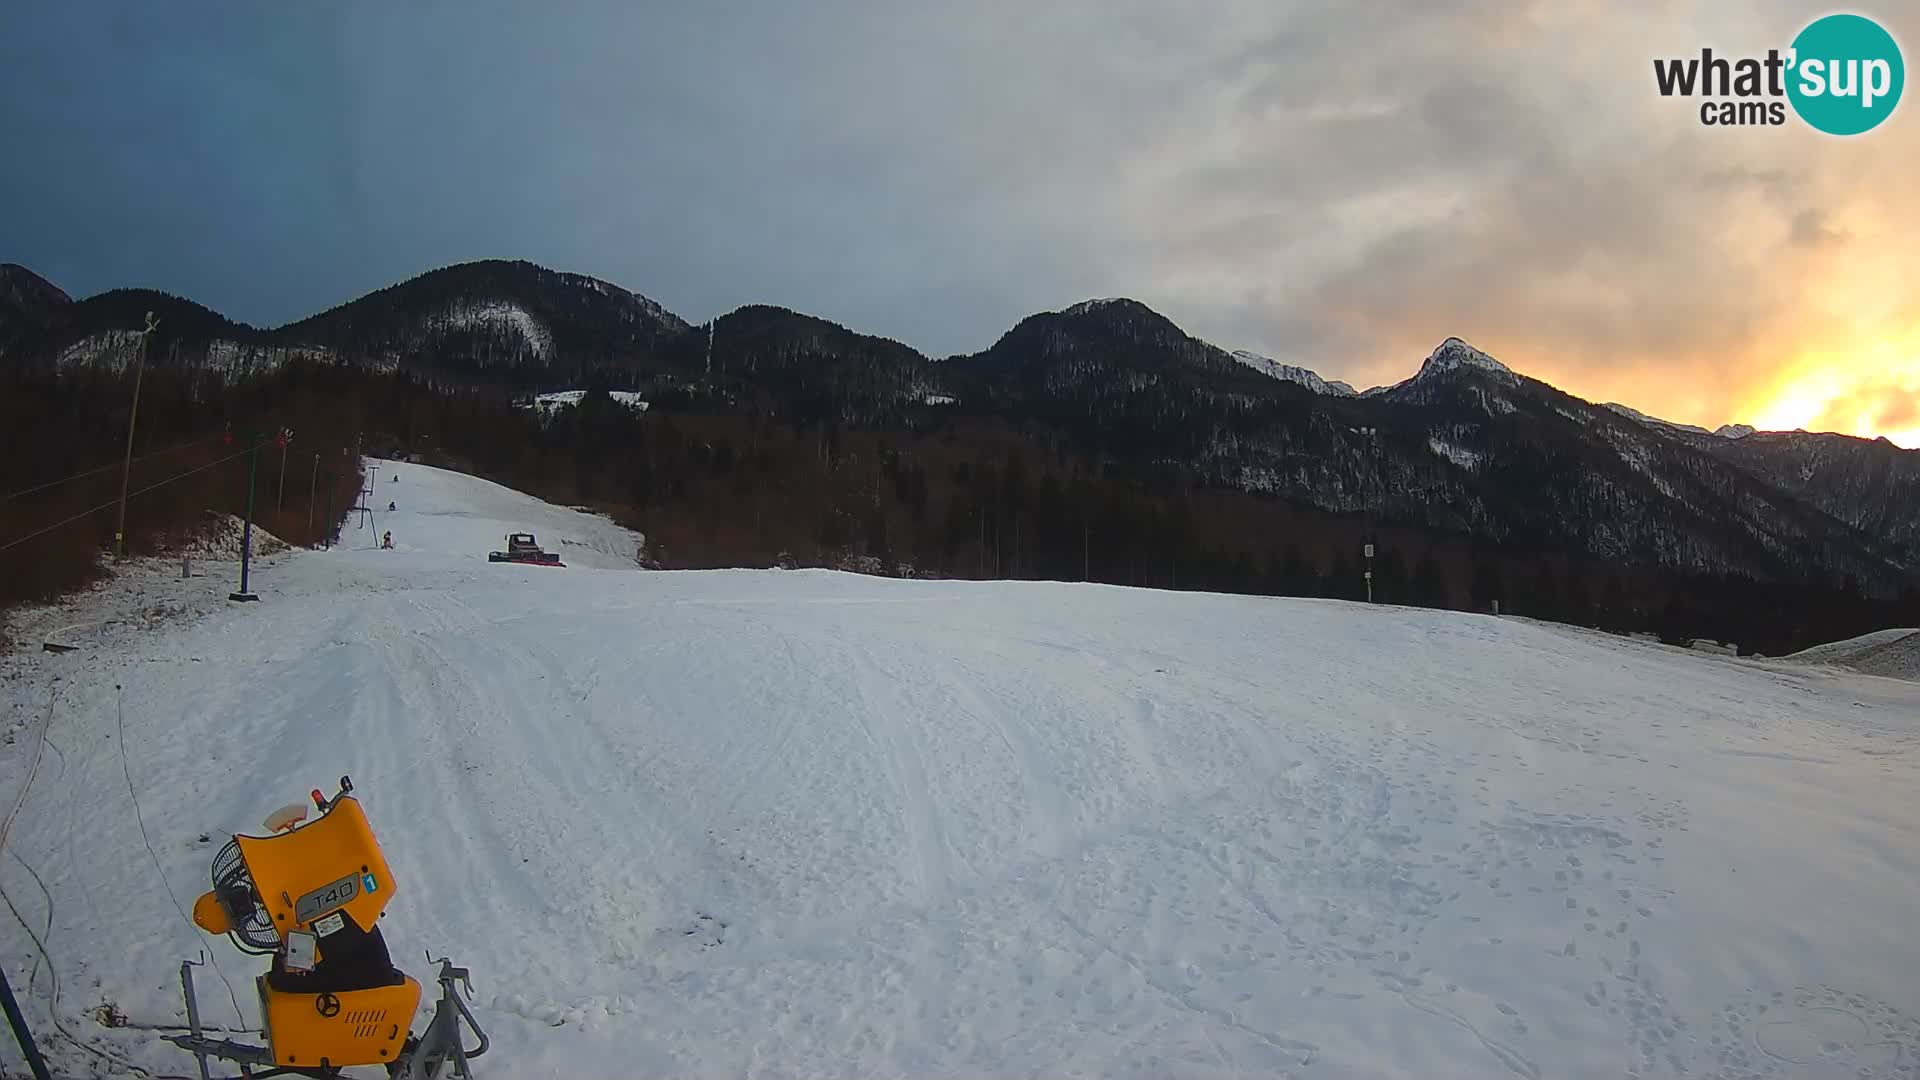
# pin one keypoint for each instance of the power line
(120, 712)
(111, 503)
(53, 975)
(104, 468)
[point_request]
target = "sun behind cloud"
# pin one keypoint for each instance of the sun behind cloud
(1866, 391)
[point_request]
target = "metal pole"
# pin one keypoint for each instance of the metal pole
(126, 464)
(20, 1031)
(331, 484)
(246, 534)
(193, 1014)
(313, 485)
(280, 495)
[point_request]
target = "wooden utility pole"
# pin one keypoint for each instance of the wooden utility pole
(126, 464)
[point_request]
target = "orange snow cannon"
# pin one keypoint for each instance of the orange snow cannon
(310, 895)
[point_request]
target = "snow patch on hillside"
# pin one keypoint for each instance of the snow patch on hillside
(108, 350)
(114, 350)
(1638, 456)
(234, 359)
(1459, 455)
(1495, 404)
(547, 403)
(496, 315)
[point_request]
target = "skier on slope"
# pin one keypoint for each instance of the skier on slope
(386, 541)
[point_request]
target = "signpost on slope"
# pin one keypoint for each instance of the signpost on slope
(1369, 553)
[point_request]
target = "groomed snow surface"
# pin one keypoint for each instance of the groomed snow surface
(1892, 653)
(784, 824)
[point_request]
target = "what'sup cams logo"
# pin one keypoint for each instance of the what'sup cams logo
(1843, 75)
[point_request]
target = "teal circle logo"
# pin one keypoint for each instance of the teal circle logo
(1846, 74)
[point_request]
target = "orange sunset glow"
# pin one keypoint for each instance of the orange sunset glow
(1858, 396)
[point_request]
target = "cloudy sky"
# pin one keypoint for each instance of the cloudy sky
(1339, 186)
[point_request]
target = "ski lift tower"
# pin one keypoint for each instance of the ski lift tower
(364, 507)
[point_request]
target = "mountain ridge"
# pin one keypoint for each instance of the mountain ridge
(1452, 352)
(1465, 444)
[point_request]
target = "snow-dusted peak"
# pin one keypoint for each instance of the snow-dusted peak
(1725, 431)
(1088, 306)
(1454, 354)
(1266, 365)
(1632, 413)
(647, 306)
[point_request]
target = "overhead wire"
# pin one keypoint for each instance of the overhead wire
(40, 947)
(120, 712)
(114, 502)
(45, 957)
(108, 465)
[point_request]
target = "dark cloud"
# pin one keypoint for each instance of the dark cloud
(1810, 230)
(1336, 185)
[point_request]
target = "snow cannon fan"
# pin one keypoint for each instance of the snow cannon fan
(310, 895)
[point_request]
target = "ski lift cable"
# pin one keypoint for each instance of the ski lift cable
(108, 465)
(108, 505)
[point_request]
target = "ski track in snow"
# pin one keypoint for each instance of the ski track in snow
(775, 824)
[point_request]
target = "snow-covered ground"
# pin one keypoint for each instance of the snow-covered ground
(770, 824)
(1891, 653)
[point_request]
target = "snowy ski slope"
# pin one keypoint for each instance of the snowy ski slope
(785, 824)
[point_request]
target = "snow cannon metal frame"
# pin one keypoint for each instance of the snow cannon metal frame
(310, 895)
(522, 548)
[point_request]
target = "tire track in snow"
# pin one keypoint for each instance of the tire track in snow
(498, 725)
(1050, 814)
(1512, 1060)
(1305, 1051)
(907, 774)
